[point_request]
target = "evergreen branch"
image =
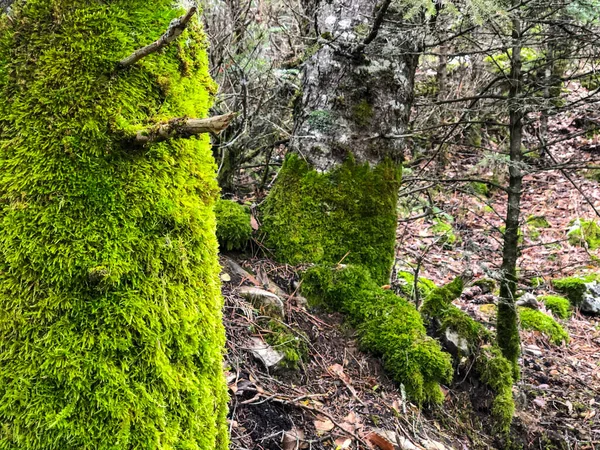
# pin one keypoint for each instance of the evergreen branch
(183, 128)
(176, 27)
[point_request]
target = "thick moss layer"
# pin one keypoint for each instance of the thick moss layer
(388, 326)
(110, 307)
(233, 225)
(532, 319)
(323, 217)
(489, 364)
(574, 287)
(560, 306)
(406, 284)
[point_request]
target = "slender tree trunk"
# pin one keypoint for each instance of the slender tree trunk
(354, 110)
(507, 327)
(110, 307)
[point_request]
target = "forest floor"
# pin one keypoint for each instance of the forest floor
(339, 397)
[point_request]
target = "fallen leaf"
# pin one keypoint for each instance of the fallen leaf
(293, 439)
(254, 223)
(379, 441)
(225, 276)
(342, 443)
(323, 426)
(540, 401)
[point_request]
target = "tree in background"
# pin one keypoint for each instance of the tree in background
(110, 308)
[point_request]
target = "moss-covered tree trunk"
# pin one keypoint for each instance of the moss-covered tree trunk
(336, 197)
(110, 321)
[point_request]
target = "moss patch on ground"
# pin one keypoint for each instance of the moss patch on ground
(574, 287)
(292, 346)
(348, 213)
(233, 225)
(110, 331)
(532, 319)
(560, 306)
(388, 326)
(584, 232)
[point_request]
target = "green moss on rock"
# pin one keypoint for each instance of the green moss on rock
(233, 225)
(406, 283)
(490, 366)
(574, 287)
(388, 326)
(584, 232)
(532, 319)
(293, 347)
(110, 331)
(560, 306)
(323, 217)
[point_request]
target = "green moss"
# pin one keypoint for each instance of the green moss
(560, 306)
(480, 188)
(348, 213)
(490, 366)
(293, 347)
(233, 225)
(532, 319)
(537, 282)
(584, 232)
(362, 113)
(538, 222)
(388, 326)
(445, 231)
(110, 330)
(321, 120)
(406, 281)
(574, 287)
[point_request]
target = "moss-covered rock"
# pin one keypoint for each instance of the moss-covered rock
(233, 225)
(490, 366)
(292, 346)
(110, 331)
(348, 213)
(584, 232)
(574, 287)
(406, 283)
(560, 306)
(532, 319)
(487, 285)
(388, 326)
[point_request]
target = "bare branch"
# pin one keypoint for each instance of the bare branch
(183, 128)
(176, 27)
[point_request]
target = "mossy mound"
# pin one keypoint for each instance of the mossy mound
(233, 225)
(537, 222)
(406, 283)
(560, 306)
(110, 331)
(490, 366)
(584, 232)
(322, 218)
(388, 326)
(574, 288)
(532, 319)
(487, 285)
(445, 233)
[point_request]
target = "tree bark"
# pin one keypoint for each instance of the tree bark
(507, 320)
(356, 98)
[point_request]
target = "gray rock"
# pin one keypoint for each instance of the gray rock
(456, 343)
(528, 300)
(235, 270)
(262, 300)
(265, 353)
(591, 299)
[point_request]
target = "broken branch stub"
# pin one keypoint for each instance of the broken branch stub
(176, 27)
(184, 128)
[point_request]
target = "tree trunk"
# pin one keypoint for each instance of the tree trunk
(354, 110)
(110, 308)
(507, 321)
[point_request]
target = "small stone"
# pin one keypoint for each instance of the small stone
(457, 342)
(532, 350)
(528, 300)
(262, 300)
(591, 299)
(265, 353)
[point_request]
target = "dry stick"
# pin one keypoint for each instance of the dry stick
(176, 27)
(184, 128)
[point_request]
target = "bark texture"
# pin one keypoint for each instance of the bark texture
(356, 98)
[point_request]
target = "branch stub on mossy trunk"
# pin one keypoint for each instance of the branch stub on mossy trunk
(183, 128)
